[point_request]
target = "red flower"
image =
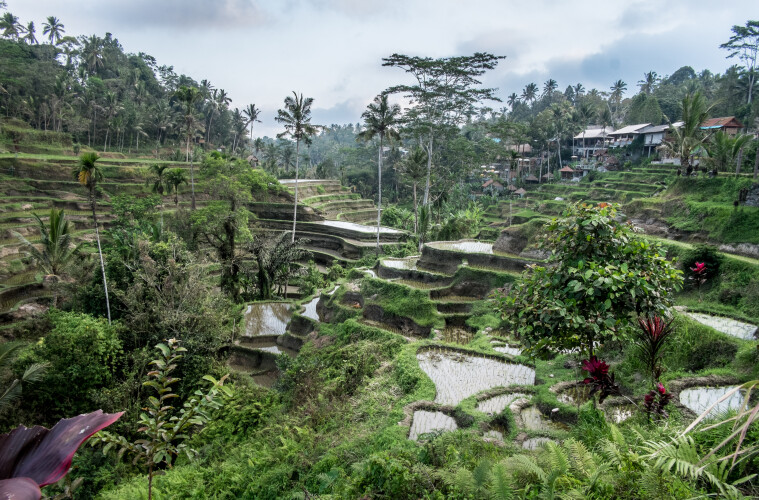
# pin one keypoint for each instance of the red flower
(700, 268)
(661, 389)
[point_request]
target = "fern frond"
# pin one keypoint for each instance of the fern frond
(500, 488)
(524, 470)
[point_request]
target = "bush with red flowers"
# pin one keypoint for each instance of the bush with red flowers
(599, 379)
(655, 401)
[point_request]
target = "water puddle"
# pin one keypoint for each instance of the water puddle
(728, 326)
(408, 263)
(425, 422)
(577, 394)
(310, 309)
(356, 227)
(497, 404)
(534, 420)
(458, 375)
(507, 349)
(698, 399)
(267, 318)
(463, 246)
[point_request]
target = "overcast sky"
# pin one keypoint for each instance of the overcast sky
(332, 50)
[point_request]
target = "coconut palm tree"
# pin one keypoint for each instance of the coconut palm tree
(11, 27)
(53, 28)
(175, 178)
(56, 251)
(30, 31)
(512, 99)
(687, 138)
(159, 182)
(530, 92)
(617, 90)
(585, 114)
(724, 149)
(649, 81)
(296, 118)
(414, 170)
(274, 257)
(549, 87)
(252, 113)
(89, 174)
(380, 120)
(189, 96)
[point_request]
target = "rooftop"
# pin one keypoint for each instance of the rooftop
(631, 129)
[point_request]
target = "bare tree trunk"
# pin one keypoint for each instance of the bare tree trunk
(738, 162)
(379, 192)
(295, 209)
(429, 173)
(416, 211)
(756, 164)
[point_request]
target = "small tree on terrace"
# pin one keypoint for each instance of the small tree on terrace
(599, 276)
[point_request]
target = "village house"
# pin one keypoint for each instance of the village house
(586, 143)
(654, 135)
(625, 135)
(728, 124)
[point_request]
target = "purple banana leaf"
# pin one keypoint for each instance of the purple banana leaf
(31, 458)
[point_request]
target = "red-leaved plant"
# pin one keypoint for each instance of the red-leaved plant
(655, 401)
(31, 458)
(651, 339)
(599, 378)
(699, 276)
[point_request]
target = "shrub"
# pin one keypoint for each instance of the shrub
(711, 258)
(83, 353)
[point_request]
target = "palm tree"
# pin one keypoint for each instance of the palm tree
(647, 85)
(413, 169)
(30, 37)
(689, 136)
(159, 181)
(585, 114)
(189, 96)
(174, 178)
(34, 373)
(218, 104)
(89, 174)
(724, 149)
(53, 29)
(252, 113)
(578, 90)
(10, 26)
(380, 119)
(56, 250)
(274, 258)
(617, 90)
(296, 118)
(550, 87)
(93, 55)
(530, 92)
(512, 99)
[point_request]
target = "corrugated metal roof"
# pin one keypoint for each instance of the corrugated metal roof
(630, 129)
(595, 133)
(724, 121)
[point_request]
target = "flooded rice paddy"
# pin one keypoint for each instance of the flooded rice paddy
(698, 399)
(459, 375)
(497, 404)
(408, 263)
(425, 422)
(310, 309)
(728, 326)
(463, 246)
(267, 318)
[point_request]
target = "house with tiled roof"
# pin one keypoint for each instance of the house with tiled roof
(727, 124)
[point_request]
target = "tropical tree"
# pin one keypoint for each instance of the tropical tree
(158, 181)
(30, 31)
(53, 28)
(296, 118)
(724, 149)
(34, 373)
(412, 169)
(252, 113)
(599, 274)
(689, 136)
(56, 251)
(189, 96)
(274, 258)
(744, 44)
(549, 87)
(648, 83)
(512, 99)
(175, 178)
(89, 174)
(530, 92)
(444, 96)
(617, 91)
(11, 27)
(380, 120)
(585, 113)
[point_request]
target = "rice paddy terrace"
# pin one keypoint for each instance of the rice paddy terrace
(480, 382)
(329, 216)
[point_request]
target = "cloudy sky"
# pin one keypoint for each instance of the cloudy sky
(332, 50)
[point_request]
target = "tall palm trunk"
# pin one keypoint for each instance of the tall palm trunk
(100, 252)
(379, 192)
(295, 209)
(416, 211)
(192, 172)
(738, 162)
